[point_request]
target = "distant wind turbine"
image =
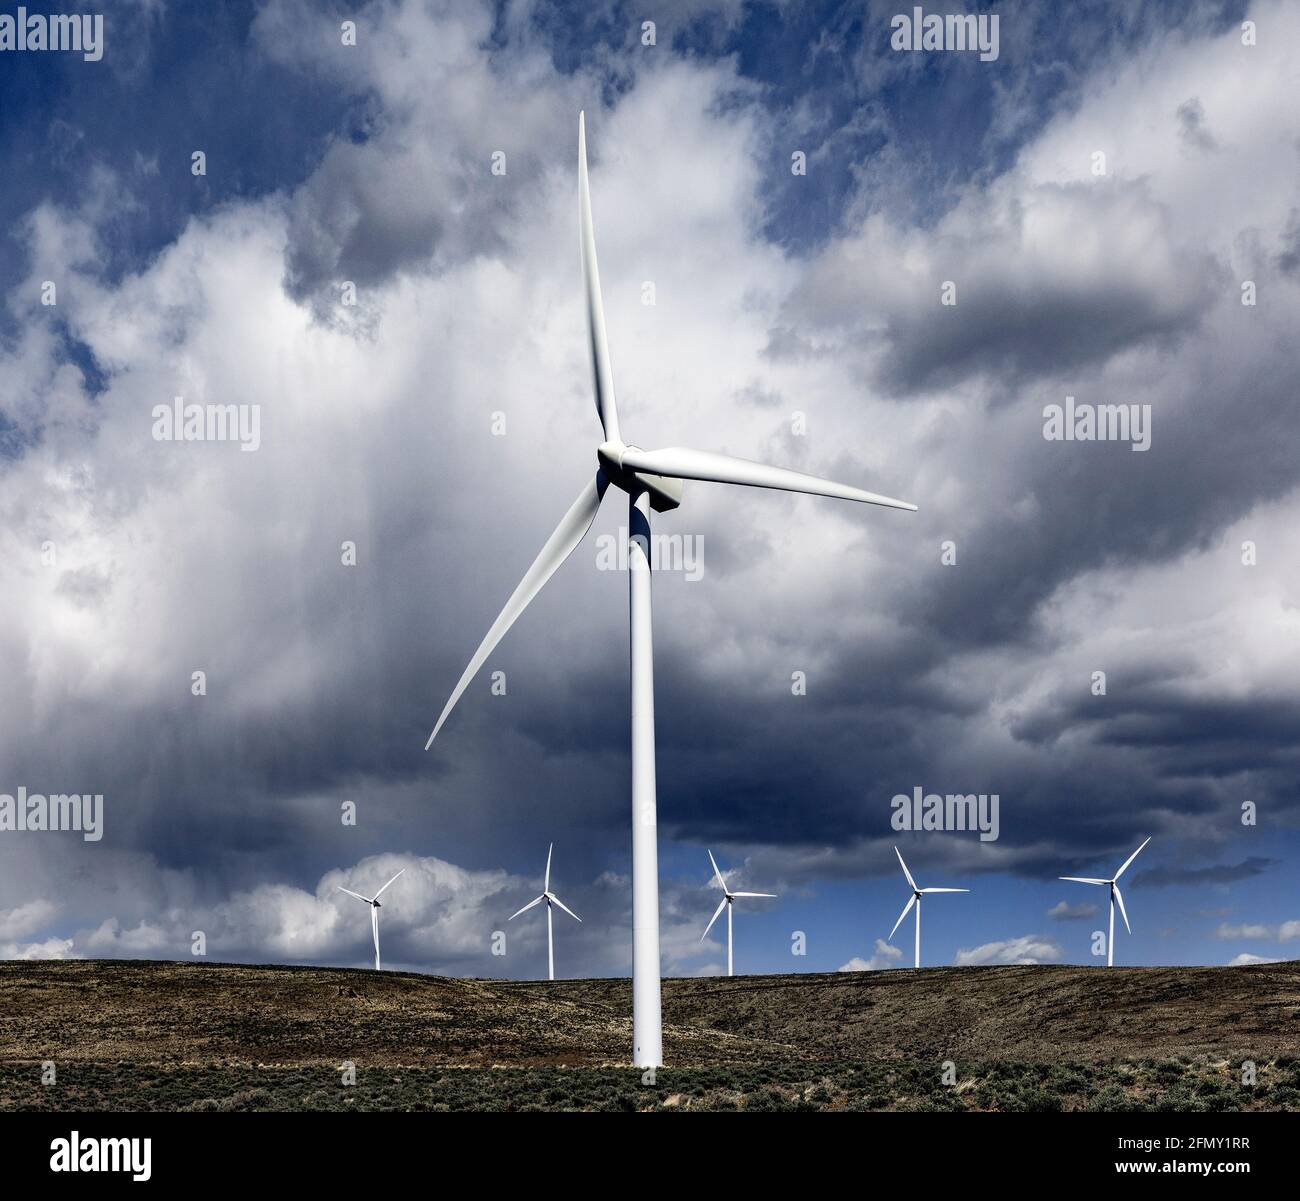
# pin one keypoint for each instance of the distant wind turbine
(915, 899)
(652, 480)
(373, 902)
(551, 899)
(1115, 895)
(727, 898)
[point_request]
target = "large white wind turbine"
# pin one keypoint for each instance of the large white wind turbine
(727, 898)
(1115, 895)
(652, 480)
(373, 902)
(551, 899)
(915, 899)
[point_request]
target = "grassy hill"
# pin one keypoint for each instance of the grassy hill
(131, 1034)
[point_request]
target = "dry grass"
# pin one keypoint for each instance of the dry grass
(138, 1035)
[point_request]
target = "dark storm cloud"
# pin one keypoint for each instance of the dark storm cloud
(1023, 306)
(913, 668)
(1219, 873)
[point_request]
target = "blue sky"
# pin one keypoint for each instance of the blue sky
(797, 320)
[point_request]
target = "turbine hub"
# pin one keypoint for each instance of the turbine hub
(665, 492)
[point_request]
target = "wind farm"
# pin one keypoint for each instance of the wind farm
(797, 472)
(1021, 1038)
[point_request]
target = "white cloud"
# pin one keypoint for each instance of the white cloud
(436, 912)
(26, 919)
(1257, 930)
(1226, 930)
(1245, 959)
(884, 956)
(51, 948)
(1063, 911)
(1028, 948)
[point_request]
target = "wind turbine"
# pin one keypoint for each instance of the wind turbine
(551, 899)
(727, 899)
(915, 899)
(375, 907)
(652, 480)
(1115, 895)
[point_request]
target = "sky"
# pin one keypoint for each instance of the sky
(877, 265)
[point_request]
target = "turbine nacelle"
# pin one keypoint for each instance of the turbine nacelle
(665, 492)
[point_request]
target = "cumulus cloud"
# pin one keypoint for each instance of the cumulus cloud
(1028, 948)
(1283, 932)
(26, 919)
(884, 956)
(51, 948)
(1063, 911)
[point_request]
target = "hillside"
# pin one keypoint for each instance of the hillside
(118, 1029)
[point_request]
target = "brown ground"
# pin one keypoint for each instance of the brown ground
(221, 1014)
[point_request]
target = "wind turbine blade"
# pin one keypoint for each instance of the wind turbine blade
(526, 908)
(679, 462)
(905, 871)
(561, 544)
(602, 374)
(754, 894)
(1119, 896)
(1130, 859)
(906, 910)
(546, 885)
(566, 909)
(1083, 879)
(945, 890)
(354, 894)
(374, 926)
(722, 884)
(377, 895)
(722, 904)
